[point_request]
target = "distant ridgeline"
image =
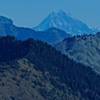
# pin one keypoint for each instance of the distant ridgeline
(55, 28)
(84, 49)
(34, 70)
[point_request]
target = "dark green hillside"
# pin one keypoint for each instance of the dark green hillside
(33, 70)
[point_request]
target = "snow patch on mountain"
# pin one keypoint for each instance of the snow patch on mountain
(65, 22)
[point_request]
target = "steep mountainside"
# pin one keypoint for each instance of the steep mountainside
(20, 80)
(35, 70)
(84, 49)
(65, 22)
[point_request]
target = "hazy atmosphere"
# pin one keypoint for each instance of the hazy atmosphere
(49, 50)
(29, 13)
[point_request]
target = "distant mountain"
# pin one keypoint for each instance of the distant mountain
(65, 22)
(52, 35)
(84, 49)
(33, 70)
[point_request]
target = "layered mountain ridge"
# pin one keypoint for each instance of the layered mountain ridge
(51, 36)
(31, 69)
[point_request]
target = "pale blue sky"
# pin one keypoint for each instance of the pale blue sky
(31, 12)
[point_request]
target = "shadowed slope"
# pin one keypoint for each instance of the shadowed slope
(42, 73)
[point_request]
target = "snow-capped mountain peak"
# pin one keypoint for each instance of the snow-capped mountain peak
(64, 21)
